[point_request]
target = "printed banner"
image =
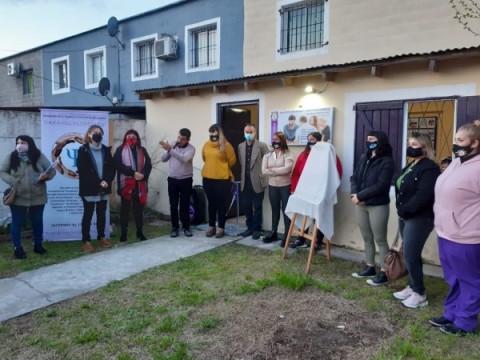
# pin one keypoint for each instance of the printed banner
(297, 124)
(62, 134)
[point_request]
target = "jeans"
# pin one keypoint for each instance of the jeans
(252, 206)
(414, 233)
(218, 194)
(372, 222)
(88, 210)
(125, 207)
(278, 196)
(19, 214)
(180, 190)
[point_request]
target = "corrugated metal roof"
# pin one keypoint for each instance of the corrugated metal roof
(410, 57)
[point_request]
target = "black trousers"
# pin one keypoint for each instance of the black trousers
(137, 208)
(218, 195)
(88, 210)
(179, 191)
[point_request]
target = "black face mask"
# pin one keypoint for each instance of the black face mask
(97, 138)
(461, 151)
(214, 138)
(310, 144)
(414, 152)
(276, 145)
(372, 145)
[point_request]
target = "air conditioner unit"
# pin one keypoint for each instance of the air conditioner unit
(13, 69)
(166, 48)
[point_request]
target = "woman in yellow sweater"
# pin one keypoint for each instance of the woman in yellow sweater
(219, 157)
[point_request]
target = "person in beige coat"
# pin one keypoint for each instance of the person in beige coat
(253, 182)
(27, 169)
(278, 165)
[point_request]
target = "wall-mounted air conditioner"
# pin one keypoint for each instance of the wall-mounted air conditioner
(13, 69)
(166, 48)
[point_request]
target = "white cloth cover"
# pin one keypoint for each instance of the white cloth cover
(316, 192)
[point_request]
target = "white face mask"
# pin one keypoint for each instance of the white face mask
(22, 148)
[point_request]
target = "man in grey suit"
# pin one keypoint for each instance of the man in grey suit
(250, 155)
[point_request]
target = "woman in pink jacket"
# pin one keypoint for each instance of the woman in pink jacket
(457, 214)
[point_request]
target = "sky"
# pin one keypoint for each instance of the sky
(26, 24)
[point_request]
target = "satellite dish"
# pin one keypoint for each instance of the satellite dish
(112, 26)
(104, 86)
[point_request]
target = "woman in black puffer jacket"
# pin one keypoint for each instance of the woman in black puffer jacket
(370, 187)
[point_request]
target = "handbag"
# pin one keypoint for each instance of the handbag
(9, 195)
(394, 263)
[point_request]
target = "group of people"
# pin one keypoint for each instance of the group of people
(298, 133)
(427, 197)
(27, 169)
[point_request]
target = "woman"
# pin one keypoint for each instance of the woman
(414, 190)
(370, 186)
(133, 166)
(219, 157)
(27, 169)
(96, 173)
(278, 165)
(312, 138)
(457, 214)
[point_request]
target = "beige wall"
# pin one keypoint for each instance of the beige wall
(166, 116)
(358, 30)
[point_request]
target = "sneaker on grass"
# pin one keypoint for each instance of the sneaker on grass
(404, 294)
(368, 271)
(439, 321)
(380, 279)
(415, 300)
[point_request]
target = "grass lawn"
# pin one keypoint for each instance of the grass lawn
(234, 302)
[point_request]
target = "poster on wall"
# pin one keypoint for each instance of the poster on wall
(297, 124)
(62, 134)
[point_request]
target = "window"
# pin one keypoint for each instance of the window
(144, 63)
(302, 25)
(60, 75)
(202, 46)
(27, 79)
(94, 66)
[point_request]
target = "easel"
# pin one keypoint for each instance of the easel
(313, 238)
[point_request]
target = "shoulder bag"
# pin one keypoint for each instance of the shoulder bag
(394, 263)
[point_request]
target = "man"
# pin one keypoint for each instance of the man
(303, 130)
(290, 129)
(180, 179)
(253, 183)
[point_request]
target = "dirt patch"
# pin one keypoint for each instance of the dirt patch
(281, 324)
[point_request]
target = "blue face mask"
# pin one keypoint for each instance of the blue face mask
(249, 137)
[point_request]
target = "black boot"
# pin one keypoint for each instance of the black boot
(39, 249)
(140, 235)
(19, 253)
(123, 236)
(270, 237)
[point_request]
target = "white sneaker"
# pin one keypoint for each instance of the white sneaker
(404, 294)
(415, 300)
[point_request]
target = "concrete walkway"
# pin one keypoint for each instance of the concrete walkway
(42, 287)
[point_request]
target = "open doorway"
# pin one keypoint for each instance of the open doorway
(232, 117)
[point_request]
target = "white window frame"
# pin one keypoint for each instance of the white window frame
(303, 53)
(88, 56)
(133, 46)
(188, 44)
(55, 80)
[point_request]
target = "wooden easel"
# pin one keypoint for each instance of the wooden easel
(293, 231)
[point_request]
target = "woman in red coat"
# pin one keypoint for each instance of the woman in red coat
(312, 139)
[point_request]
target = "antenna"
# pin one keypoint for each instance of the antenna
(112, 29)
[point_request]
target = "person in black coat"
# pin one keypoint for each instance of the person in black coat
(414, 190)
(96, 173)
(370, 187)
(133, 166)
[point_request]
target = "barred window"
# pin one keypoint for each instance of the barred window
(145, 59)
(27, 78)
(203, 46)
(60, 75)
(302, 26)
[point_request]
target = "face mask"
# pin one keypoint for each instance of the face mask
(97, 138)
(132, 141)
(22, 148)
(276, 145)
(372, 145)
(310, 144)
(214, 138)
(414, 152)
(461, 151)
(249, 137)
